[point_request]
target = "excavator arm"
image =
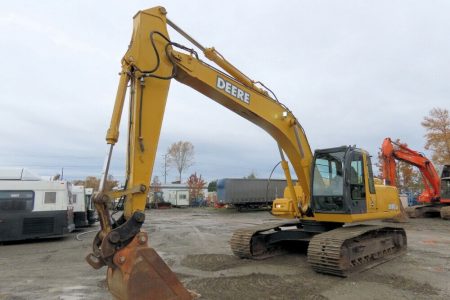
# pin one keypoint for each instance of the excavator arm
(391, 152)
(135, 271)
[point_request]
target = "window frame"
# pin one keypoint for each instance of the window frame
(370, 173)
(358, 157)
(49, 193)
(28, 208)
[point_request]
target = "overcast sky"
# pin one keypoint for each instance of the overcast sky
(353, 72)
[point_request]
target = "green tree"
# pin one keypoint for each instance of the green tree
(212, 186)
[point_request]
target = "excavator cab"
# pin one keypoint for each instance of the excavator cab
(339, 181)
(343, 188)
(445, 184)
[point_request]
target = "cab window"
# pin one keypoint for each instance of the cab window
(357, 185)
(328, 182)
(371, 182)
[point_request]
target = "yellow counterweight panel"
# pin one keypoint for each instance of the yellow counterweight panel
(285, 207)
(388, 198)
(352, 218)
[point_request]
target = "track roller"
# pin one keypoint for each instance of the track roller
(352, 249)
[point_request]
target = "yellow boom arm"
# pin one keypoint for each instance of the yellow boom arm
(148, 66)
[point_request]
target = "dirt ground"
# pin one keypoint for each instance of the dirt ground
(194, 242)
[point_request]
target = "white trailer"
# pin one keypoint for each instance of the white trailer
(177, 197)
(79, 206)
(176, 194)
(91, 215)
(83, 207)
(33, 208)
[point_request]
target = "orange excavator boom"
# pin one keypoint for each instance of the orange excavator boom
(392, 151)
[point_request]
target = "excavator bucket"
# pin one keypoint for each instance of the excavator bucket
(142, 274)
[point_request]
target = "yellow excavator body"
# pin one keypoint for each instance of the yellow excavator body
(334, 187)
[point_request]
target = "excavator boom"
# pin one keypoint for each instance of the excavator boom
(334, 186)
(148, 66)
(392, 151)
(150, 63)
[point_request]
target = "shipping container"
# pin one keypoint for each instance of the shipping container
(250, 193)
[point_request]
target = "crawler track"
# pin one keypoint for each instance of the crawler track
(415, 211)
(428, 210)
(338, 252)
(250, 242)
(348, 250)
(445, 212)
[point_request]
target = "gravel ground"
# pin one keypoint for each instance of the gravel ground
(194, 242)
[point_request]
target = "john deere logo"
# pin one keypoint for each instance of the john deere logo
(233, 90)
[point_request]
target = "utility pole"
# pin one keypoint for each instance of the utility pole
(165, 168)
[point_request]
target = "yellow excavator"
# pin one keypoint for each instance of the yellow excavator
(335, 187)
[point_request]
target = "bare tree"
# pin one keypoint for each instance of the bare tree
(437, 125)
(181, 156)
(94, 182)
(252, 175)
(156, 184)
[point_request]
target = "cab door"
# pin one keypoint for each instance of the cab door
(356, 181)
(370, 185)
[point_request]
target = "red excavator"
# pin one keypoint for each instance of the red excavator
(430, 200)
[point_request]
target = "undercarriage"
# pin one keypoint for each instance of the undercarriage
(332, 248)
(429, 210)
